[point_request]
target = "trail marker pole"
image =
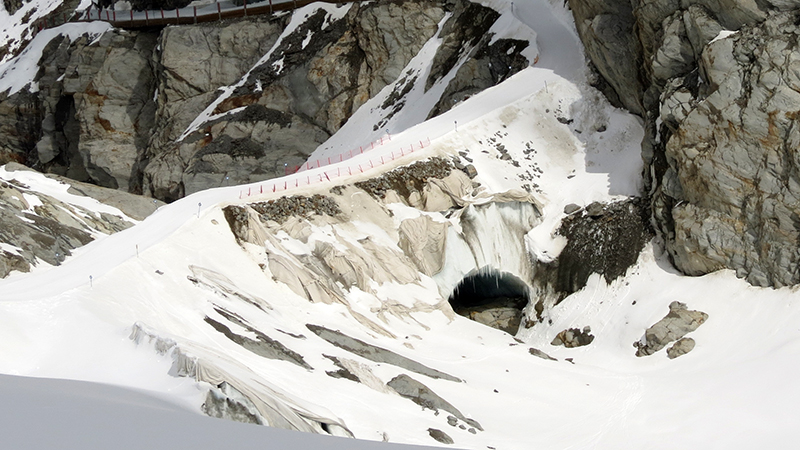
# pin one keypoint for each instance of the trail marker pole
(219, 11)
(456, 123)
(198, 209)
(195, 14)
(91, 282)
(137, 250)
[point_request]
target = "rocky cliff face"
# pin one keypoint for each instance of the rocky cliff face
(170, 112)
(717, 85)
(42, 228)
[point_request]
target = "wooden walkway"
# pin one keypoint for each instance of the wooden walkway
(183, 16)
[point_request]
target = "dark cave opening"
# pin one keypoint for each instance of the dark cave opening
(68, 161)
(493, 298)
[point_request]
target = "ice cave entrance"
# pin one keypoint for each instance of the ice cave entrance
(492, 298)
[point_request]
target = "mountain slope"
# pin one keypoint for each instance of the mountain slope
(325, 300)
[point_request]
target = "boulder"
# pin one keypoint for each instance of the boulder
(440, 436)
(574, 337)
(680, 348)
(505, 315)
(676, 324)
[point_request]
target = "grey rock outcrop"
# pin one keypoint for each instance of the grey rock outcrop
(422, 395)
(45, 229)
(601, 238)
(376, 354)
(20, 127)
(676, 324)
(734, 177)
(171, 111)
(193, 62)
(720, 110)
(314, 80)
(606, 29)
(96, 108)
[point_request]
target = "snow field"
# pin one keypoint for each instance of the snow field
(734, 390)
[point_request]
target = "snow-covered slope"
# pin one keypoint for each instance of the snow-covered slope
(326, 322)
